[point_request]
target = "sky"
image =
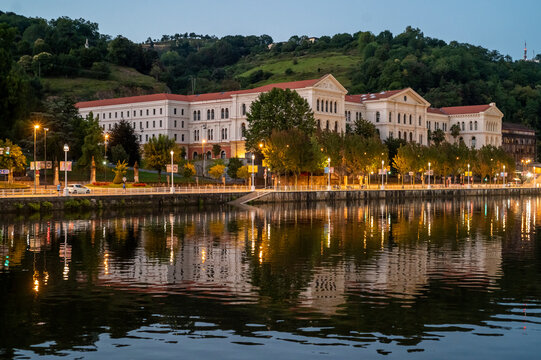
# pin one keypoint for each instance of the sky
(501, 25)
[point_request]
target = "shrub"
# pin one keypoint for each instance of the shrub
(18, 206)
(33, 206)
(85, 203)
(46, 206)
(72, 204)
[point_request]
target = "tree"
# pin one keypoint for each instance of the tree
(217, 171)
(120, 171)
(15, 160)
(455, 131)
(118, 154)
(216, 150)
(404, 160)
(124, 134)
(92, 145)
(437, 136)
(158, 153)
(364, 128)
(277, 110)
(188, 170)
(243, 173)
(233, 166)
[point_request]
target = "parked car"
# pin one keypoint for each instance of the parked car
(78, 189)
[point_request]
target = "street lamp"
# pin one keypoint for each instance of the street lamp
(329, 174)
(468, 175)
(504, 176)
(172, 188)
(36, 127)
(382, 172)
(105, 158)
(45, 154)
(429, 175)
(253, 174)
(204, 155)
(66, 149)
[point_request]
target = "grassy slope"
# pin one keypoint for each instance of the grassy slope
(123, 81)
(309, 66)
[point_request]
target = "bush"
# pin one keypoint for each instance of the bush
(18, 206)
(72, 204)
(33, 206)
(85, 203)
(46, 206)
(289, 71)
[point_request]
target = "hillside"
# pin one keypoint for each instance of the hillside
(123, 81)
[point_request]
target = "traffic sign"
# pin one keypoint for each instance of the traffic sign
(382, 172)
(252, 168)
(468, 173)
(410, 173)
(175, 168)
(4, 171)
(430, 173)
(329, 170)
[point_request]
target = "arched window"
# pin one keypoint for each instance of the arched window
(212, 114)
(225, 134)
(335, 107)
(243, 109)
(222, 154)
(463, 127)
(419, 120)
(377, 117)
(209, 155)
(399, 134)
(475, 125)
(326, 105)
(208, 114)
(195, 135)
(198, 114)
(194, 155)
(319, 124)
(194, 115)
(317, 106)
(471, 126)
(410, 119)
(473, 142)
(398, 122)
(223, 114)
(336, 126)
(411, 137)
(227, 113)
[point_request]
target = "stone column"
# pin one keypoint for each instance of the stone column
(56, 177)
(93, 171)
(136, 172)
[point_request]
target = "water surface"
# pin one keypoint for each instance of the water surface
(446, 279)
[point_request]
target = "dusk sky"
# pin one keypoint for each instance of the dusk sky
(500, 25)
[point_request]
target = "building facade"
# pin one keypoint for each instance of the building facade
(198, 122)
(520, 142)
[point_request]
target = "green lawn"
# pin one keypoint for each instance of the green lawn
(123, 81)
(308, 67)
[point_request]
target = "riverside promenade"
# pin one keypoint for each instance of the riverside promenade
(202, 196)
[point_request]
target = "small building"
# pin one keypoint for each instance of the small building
(519, 141)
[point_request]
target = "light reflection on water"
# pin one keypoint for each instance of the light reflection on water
(447, 278)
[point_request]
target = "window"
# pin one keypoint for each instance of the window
(326, 105)
(153, 123)
(390, 134)
(103, 116)
(222, 114)
(182, 124)
(463, 128)
(390, 116)
(194, 155)
(419, 120)
(377, 117)
(147, 112)
(160, 111)
(317, 107)
(475, 125)
(208, 114)
(227, 113)
(212, 114)
(336, 126)
(405, 98)
(121, 114)
(471, 128)
(175, 123)
(160, 123)
(243, 109)
(175, 111)
(399, 134)
(242, 129)
(327, 126)
(411, 136)
(473, 142)
(175, 137)
(335, 107)
(140, 112)
(146, 137)
(147, 124)
(181, 111)
(319, 124)
(153, 111)
(140, 138)
(421, 139)
(115, 115)
(182, 137)
(198, 114)
(194, 115)
(398, 120)
(410, 119)
(222, 154)
(140, 124)
(134, 125)
(109, 126)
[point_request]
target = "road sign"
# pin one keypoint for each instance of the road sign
(4, 171)
(382, 172)
(175, 168)
(410, 173)
(33, 165)
(254, 168)
(468, 173)
(503, 174)
(63, 166)
(430, 173)
(329, 170)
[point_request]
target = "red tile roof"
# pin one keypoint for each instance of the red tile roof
(199, 97)
(459, 110)
(374, 96)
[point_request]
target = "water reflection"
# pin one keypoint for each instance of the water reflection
(381, 276)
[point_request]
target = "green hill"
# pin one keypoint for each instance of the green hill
(123, 81)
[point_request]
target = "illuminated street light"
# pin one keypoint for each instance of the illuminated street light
(253, 174)
(172, 188)
(36, 127)
(429, 175)
(66, 149)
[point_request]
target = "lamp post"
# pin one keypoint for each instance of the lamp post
(204, 155)
(329, 174)
(253, 174)
(45, 154)
(36, 127)
(172, 188)
(66, 149)
(105, 158)
(382, 172)
(468, 175)
(504, 176)
(429, 175)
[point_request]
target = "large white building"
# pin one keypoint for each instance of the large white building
(197, 122)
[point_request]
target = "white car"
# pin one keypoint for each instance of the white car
(78, 189)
